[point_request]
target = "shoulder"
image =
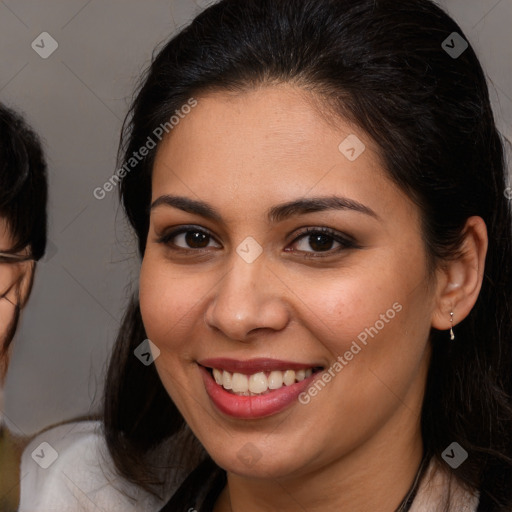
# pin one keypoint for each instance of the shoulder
(68, 468)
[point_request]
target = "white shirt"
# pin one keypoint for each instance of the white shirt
(73, 472)
(80, 476)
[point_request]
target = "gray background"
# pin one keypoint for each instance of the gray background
(76, 99)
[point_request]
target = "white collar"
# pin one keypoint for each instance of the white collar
(439, 490)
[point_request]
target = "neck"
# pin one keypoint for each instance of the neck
(375, 476)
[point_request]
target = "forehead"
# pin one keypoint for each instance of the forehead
(271, 124)
(265, 146)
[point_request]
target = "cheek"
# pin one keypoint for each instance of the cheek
(378, 323)
(6, 315)
(358, 302)
(377, 319)
(170, 305)
(170, 302)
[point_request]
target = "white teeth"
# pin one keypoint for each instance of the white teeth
(275, 380)
(217, 375)
(258, 383)
(240, 383)
(289, 377)
(226, 380)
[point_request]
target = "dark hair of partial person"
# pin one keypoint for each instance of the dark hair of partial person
(379, 64)
(23, 192)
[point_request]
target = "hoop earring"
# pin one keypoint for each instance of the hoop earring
(452, 336)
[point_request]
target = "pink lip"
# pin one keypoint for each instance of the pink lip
(252, 366)
(252, 407)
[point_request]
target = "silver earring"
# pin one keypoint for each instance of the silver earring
(452, 336)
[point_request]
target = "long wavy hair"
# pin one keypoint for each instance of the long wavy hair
(381, 65)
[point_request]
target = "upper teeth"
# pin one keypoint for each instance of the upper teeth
(260, 382)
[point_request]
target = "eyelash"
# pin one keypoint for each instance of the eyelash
(344, 241)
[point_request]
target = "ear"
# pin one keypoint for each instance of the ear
(460, 279)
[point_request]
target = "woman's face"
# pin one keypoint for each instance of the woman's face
(247, 292)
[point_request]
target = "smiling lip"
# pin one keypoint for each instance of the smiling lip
(257, 406)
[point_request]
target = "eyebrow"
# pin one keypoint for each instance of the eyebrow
(275, 214)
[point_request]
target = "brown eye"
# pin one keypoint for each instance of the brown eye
(186, 238)
(196, 239)
(321, 240)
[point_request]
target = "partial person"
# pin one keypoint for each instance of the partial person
(23, 226)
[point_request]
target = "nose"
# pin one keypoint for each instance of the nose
(249, 298)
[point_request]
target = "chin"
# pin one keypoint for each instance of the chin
(250, 462)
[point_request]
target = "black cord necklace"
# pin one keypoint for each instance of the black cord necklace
(411, 494)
